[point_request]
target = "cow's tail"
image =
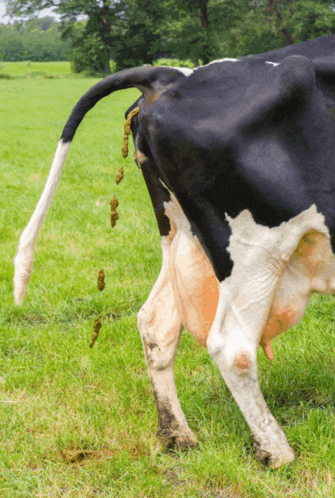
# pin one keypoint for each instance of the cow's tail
(150, 81)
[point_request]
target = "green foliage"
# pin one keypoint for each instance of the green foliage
(90, 43)
(188, 33)
(138, 39)
(309, 19)
(163, 61)
(91, 49)
(32, 42)
(87, 54)
(135, 32)
(268, 25)
(136, 47)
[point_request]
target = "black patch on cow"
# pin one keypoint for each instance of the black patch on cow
(158, 194)
(233, 136)
(248, 135)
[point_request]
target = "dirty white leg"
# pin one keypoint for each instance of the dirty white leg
(233, 346)
(160, 326)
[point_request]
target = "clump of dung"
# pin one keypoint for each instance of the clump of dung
(114, 215)
(101, 280)
(97, 327)
(119, 176)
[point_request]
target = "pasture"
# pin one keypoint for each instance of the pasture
(81, 422)
(22, 69)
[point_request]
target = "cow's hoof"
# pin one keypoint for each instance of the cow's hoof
(274, 458)
(183, 442)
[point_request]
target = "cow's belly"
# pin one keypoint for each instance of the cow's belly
(309, 269)
(198, 292)
(196, 286)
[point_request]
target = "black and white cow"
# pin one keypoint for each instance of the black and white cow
(239, 160)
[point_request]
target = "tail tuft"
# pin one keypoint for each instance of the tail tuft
(23, 262)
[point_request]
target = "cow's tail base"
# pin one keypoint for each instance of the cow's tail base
(23, 260)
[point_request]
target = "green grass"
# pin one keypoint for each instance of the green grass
(36, 69)
(81, 422)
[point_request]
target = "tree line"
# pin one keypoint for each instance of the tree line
(34, 40)
(135, 32)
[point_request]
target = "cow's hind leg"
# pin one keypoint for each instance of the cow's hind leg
(160, 325)
(232, 343)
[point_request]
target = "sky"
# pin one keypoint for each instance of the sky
(3, 19)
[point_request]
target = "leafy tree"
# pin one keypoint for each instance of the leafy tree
(271, 24)
(97, 31)
(136, 32)
(11, 46)
(202, 10)
(28, 41)
(138, 38)
(133, 31)
(206, 30)
(88, 54)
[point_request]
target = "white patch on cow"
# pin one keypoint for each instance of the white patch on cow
(23, 260)
(277, 63)
(218, 61)
(185, 70)
(261, 255)
(271, 266)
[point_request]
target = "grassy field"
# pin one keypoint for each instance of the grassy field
(81, 422)
(35, 69)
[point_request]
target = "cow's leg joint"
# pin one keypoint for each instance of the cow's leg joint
(242, 363)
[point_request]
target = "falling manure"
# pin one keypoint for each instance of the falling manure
(127, 130)
(97, 327)
(114, 215)
(101, 280)
(119, 176)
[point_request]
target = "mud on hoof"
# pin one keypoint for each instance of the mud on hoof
(275, 458)
(179, 442)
